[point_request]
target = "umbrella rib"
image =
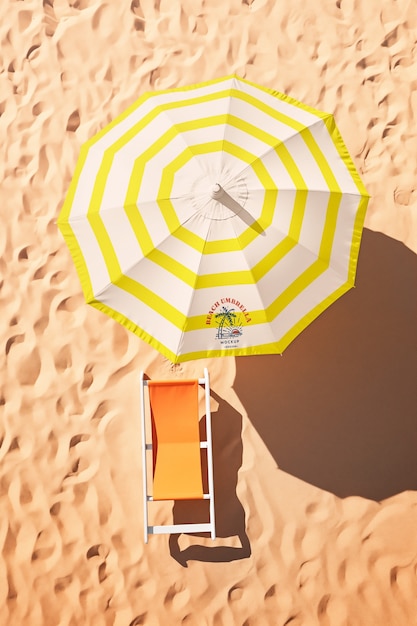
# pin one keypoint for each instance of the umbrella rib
(249, 268)
(228, 112)
(197, 274)
(125, 271)
(108, 209)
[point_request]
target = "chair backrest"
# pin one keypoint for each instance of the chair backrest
(176, 440)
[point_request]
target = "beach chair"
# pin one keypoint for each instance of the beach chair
(170, 428)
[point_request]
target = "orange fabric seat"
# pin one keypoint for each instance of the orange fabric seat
(176, 440)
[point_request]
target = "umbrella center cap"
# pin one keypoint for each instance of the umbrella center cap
(215, 202)
(217, 191)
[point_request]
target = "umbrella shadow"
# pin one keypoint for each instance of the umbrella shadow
(339, 408)
(229, 513)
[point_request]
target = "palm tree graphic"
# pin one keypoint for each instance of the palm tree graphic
(225, 315)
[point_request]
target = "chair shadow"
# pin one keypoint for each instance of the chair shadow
(229, 513)
(339, 408)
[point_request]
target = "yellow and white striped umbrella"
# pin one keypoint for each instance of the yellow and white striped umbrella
(216, 219)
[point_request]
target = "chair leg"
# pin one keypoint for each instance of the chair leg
(209, 455)
(144, 461)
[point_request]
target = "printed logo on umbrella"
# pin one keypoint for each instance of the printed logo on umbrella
(229, 315)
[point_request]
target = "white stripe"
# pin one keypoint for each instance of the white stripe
(198, 110)
(153, 322)
(338, 166)
(284, 273)
(181, 252)
(314, 220)
(342, 243)
(87, 241)
(312, 296)
(86, 182)
(222, 262)
(166, 285)
(123, 239)
(304, 117)
(258, 118)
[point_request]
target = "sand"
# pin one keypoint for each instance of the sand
(316, 478)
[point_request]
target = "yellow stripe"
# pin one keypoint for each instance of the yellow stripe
(223, 279)
(152, 300)
(95, 220)
(272, 348)
(329, 230)
(174, 267)
(285, 98)
(226, 278)
(357, 237)
(106, 246)
(138, 226)
(134, 328)
(273, 257)
(344, 154)
(295, 288)
(321, 160)
(269, 348)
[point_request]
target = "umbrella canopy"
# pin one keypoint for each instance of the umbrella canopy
(215, 219)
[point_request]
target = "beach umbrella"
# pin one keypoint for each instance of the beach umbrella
(215, 219)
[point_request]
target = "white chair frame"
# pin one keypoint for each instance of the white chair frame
(210, 526)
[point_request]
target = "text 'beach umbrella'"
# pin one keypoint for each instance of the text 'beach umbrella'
(215, 219)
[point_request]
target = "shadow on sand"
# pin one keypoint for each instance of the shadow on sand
(339, 408)
(230, 515)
